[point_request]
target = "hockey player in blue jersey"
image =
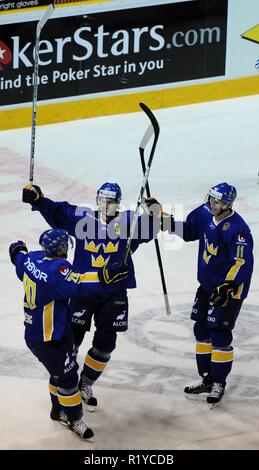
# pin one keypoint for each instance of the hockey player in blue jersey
(101, 237)
(225, 266)
(49, 281)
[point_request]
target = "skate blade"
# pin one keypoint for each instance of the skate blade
(196, 397)
(89, 439)
(213, 406)
(89, 408)
(63, 423)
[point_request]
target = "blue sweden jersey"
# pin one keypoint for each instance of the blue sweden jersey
(48, 283)
(225, 249)
(98, 243)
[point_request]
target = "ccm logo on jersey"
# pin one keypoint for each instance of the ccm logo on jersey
(241, 237)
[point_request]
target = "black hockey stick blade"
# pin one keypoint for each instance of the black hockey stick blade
(158, 252)
(48, 12)
(153, 130)
(152, 119)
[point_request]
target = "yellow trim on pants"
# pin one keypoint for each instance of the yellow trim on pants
(96, 365)
(203, 348)
(70, 400)
(53, 390)
(222, 356)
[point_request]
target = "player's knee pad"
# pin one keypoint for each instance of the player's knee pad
(104, 341)
(68, 381)
(201, 331)
(67, 390)
(102, 354)
(221, 339)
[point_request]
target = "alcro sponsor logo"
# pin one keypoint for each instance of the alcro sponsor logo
(121, 42)
(76, 317)
(70, 366)
(120, 320)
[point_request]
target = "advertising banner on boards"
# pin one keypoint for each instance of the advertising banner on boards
(116, 50)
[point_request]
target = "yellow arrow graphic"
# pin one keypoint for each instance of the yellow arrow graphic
(252, 34)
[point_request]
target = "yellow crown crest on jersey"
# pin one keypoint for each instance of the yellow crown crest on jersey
(206, 257)
(100, 261)
(213, 251)
(210, 248)
(92, 246)
(110, 247)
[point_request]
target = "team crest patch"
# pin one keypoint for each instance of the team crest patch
(226, 226)
(64, 270)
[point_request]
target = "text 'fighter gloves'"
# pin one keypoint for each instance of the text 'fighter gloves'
(31, 194)
(151, 207)
(114, 273)
(15, 247)
(223, 293)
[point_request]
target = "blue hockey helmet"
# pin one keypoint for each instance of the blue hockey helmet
(54, 242)
(223, 192)
(111, 191)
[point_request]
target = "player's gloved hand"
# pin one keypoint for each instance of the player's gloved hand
(151, 207)
(167, 222)
(31, 194)
(114, 273)
(223, 293)
(15, 247)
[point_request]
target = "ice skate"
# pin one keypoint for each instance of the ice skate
(80, 428)
(59, 415)
(201, 390)
(86, 391)
(217, 392)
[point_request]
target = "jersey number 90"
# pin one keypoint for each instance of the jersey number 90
(30, 292)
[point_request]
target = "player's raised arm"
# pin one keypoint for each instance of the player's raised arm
(57, 214)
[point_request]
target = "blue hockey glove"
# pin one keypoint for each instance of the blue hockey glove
(31, 194)
(223, 293)
(152, 207)
(15, 247)
(114, 273)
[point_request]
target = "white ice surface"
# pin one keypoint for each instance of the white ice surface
(141, 401)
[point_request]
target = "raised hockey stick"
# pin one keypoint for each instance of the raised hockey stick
(158, 253)
(152, 131)
(40, 25)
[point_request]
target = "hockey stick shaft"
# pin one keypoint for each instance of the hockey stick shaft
(152, 130)
(158, 252)
(40, 25)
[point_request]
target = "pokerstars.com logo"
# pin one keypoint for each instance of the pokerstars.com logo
(5, 55)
